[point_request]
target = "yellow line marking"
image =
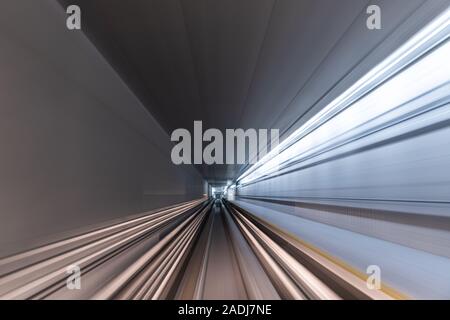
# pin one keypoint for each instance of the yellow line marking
(395, 294)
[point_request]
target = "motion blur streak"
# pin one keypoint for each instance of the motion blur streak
(357, 185)
(354, 203)
(376, 101)
(148, 258)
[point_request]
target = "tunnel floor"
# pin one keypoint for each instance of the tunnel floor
(202, 249)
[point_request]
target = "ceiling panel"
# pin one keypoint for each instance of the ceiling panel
(234, 63)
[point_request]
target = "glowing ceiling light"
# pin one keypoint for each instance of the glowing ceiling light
(399, 78)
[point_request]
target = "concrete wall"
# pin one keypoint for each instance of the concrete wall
(77, 148)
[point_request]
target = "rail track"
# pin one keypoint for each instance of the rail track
(202, 249)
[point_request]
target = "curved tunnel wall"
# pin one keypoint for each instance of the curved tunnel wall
(372, 193)
(78, 148)
(373, 190)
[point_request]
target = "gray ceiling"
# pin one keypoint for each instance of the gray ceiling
(233, 63)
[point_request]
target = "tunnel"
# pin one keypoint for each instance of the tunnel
(225, 149)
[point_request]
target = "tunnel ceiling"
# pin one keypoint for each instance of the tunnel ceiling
(232, 64)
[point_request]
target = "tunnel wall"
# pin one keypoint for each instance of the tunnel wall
(77, 147)
(390, 183)
(393, 171)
